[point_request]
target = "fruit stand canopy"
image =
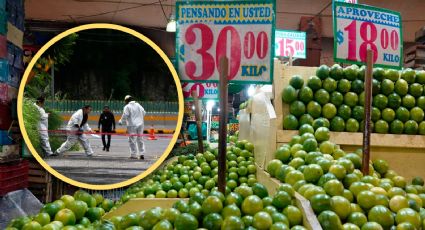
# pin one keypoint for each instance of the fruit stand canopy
(148, 13)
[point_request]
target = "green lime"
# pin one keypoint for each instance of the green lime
(329, 220)
(401, 87)
(388, 115)
(387, 87)
(351, 99)
(397, 127)
(350, 72)
(314, 109)
(376, 114)
(417, 114)
(411, 127)
(321, 122)
(329, 84)
(297, 108)
(290, 122)
(337, 124)
(296, 81)
(381, 126)
(314, 83)
(322, 134)
(344, 111)
(421, 128)
(344, 86)
(403, 114)
(416, 89)
(378, 73)
(289, 94)
(322, 72)
(392, 74)
(376, 87)
(336, 72)
(394, 100)
(420, 102)
(305, 94)
(409, 75)
(321, 96)
(408, 101)
(306, 119)
(380, 101)
(357, 86)
(329, 111)
(337, 98)
(352, 125)
(358, 112)
(361, 72)
(420, 76)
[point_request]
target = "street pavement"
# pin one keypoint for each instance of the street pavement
(108, 167)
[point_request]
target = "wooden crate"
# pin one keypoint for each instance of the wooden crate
(404, 153)
(40, 182)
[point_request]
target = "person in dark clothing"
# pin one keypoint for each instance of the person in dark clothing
(107, 121)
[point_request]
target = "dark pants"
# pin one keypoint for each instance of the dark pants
(106, 144)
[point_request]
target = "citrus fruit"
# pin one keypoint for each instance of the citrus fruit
(294, 215)
(358, 113)
(232, 223)
(310, 145)
(78, 207)
(417, 114)
(403, 114)
(344, 111)
(212, 221)
(305, 94)
(260, 190)
(230, 210)
(378, 73)
(66, 216)
(352, 125)
(408, 215)
(320, 203)
(329, 84)
(322, 134)
(372, 226)
(33, 225)
(329, 111)
(344, 86)
(296, 81)
(281, 199)
(351, 99)
(401, 87)
(380, 101)
(337, 98)
(290, 122)
(411, 127)
(420, 102)
(381, 215)
(312, 173)
(409, 75)
(42, 218)
(350, 72)
(336, 72)
(186, 221)
(322, 72)
(289, 94)
(394, 101)
(273, 165)
(321, 122)
(381, 126)
(334, 188)
(251, 205)
(366, 199)
(163, 225)
(421, 128)
(321, 96)
(107, 204)
(387, 87)
(420, 76)
(329, 220)
(262, 220)
(357, 218)
(408, 101)
(341, 206)
(397, 127)
(418, 181)
(131, 219)
(416, 90)
(376, 87)
(314, 83)
(51, 209)
(337, 124)
(357, 86)
(94, 213)
(381, 166)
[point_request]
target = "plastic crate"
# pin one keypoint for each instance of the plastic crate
(12, 173)
(3, 46)
(5, 116)
(3, 22)
(4, 70)
(15, 185)
(4, 138)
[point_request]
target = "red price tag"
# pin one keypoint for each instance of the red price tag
(205, 91)
(290, 43)
(358, 28)
(240, 31)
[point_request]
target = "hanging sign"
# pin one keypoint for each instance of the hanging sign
(290, 43)
(358, 28)
(205, 91)
(243, 31)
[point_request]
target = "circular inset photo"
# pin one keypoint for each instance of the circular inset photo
(100, 106)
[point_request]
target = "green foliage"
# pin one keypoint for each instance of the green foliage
(31, 118)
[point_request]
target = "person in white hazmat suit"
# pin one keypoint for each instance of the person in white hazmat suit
(76, 126)
(133, 116)
(43, 127)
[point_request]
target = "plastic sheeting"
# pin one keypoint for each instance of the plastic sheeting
(17, 204)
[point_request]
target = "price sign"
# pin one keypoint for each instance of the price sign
(347, 1)
(290, 43)
(358, 28)
(242, 31)
(205, 91)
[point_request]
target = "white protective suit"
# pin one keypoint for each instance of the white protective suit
(133, 115)
(43, 127)
(72, 138)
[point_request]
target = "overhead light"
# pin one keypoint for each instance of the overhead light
(251, 91)
(210, 105)
(171, 26)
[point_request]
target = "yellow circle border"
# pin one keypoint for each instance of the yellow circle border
(100, 26)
